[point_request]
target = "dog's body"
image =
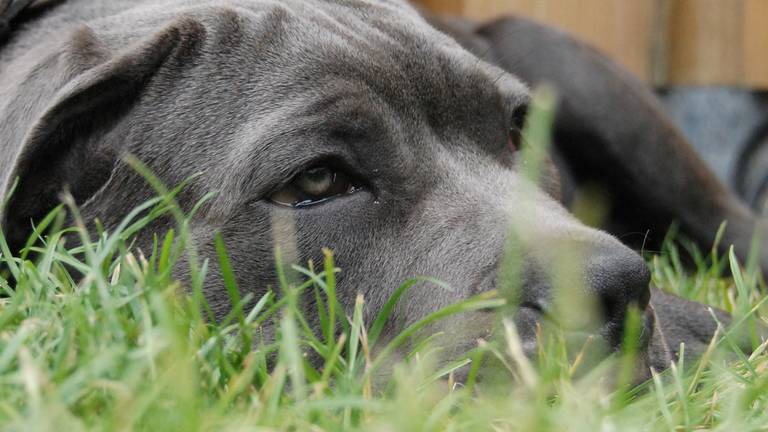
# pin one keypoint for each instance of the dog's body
(613, 132)
(270, 99)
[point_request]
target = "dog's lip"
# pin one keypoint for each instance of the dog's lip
(643, 339)
(649, 322)
(535, 306)
(537, 311)
(528, 318)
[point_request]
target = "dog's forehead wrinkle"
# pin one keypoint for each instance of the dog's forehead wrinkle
(346, 105)
(365, 22)
(431, 82)
(335, 93)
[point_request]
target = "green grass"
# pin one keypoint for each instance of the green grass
(102, 337)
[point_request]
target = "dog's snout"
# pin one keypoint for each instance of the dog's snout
(620, 279)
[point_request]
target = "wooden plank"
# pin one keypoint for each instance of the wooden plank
(620, 28)
(755, 45)
(448, 7)
(706, 42)
(698, 42)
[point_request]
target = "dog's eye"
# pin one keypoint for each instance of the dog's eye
(315, 185)
(515, 138)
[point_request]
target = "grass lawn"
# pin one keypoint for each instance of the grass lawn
(101, 337)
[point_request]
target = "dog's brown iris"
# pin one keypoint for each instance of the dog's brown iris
(315, 185)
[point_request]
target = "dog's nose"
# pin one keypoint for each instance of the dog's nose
(619, 278)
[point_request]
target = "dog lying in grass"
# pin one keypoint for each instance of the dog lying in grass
(357, 126)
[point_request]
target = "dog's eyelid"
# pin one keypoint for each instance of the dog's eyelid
(519, 115)
(300, 190)
(334, 162)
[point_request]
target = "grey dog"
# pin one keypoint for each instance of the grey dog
(357, 126)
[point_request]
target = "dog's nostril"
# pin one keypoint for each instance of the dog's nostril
(620, 279)
(620, 276)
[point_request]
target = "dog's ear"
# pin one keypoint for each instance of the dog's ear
(683, 321)
(66, 145)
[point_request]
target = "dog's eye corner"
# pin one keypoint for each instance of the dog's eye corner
(514, 138)
(315, 185)
(519, 115)
(517, 123)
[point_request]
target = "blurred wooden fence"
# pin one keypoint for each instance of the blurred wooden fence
(663, 41)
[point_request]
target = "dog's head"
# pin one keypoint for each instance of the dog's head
(352, 126)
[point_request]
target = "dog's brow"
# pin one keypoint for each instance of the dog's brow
(352, 119)
(345, 106)
(332, 101)
(514, 93)
(339, 92)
